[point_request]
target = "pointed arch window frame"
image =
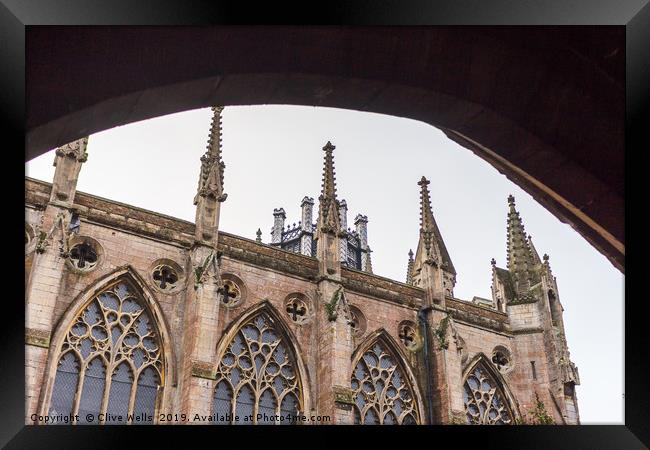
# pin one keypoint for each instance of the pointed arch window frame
(168, 375)
(287, 336)
(384, 337)
(508, 397)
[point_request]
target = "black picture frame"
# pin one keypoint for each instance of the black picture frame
(16, 15)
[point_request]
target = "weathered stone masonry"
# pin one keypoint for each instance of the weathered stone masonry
(330, 339)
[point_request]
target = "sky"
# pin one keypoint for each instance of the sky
(273, 156)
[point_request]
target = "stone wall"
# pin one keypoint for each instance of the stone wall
(139, 239)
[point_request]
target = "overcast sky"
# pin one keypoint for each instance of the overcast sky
(274, 157)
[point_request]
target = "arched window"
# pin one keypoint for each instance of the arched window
(258, 376)
(382, 392)
(110, 362)
(485, 401)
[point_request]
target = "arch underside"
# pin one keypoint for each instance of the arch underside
(538, 106)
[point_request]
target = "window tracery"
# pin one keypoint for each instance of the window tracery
(110, 361)
(165, 277)
(83, 256)
(484, 399)
(257, 375)
(231, 294)
(382, 394)
(408, 335)
(297, 310)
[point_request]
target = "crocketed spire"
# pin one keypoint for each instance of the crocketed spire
(521, 261)
(212, 166)
(328, 208)
(431, 245)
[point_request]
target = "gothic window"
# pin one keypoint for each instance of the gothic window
(111, 360)
(83, 256)
(382, 393)
(484, 399)
(257, 375)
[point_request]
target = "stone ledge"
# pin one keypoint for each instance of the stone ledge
(343, 395)
(37, 338)
(528, 330)
(201, 369)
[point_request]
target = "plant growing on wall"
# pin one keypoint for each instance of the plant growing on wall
(199, 271)
(440, 332)
(538, 415)
(42, 243)
(330, 307)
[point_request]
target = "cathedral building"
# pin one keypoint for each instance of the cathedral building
(136, 317)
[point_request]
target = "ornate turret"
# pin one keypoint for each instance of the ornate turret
(210, 188)
(303, 238)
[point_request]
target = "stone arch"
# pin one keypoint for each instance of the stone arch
(482, 362)
(138, 289)
(526, 133)
(228, 360)
(382, 338)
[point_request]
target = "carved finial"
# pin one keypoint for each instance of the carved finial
(545, 257)
(328, 211)
(426, 215)
(511, 199)
(212, 166)
(493, 262)
(409, 269)
(259, 236)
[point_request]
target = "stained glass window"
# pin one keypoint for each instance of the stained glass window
(382, 393)
(111, 361)
(257, 377)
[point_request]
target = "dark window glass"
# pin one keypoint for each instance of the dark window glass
(65, 385)
(120, 395)
(93, 391)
